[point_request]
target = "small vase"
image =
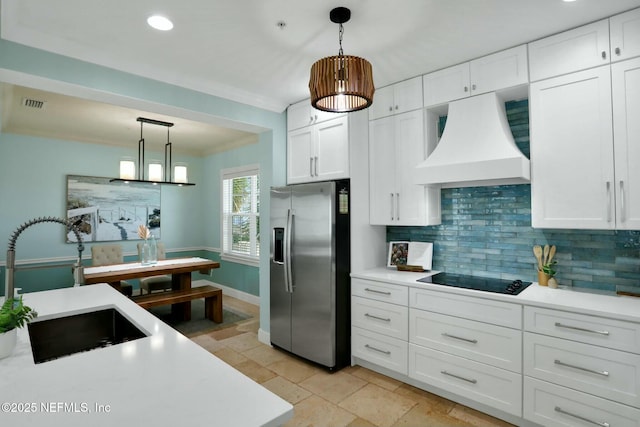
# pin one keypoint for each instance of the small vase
(8, 342)
(543, 278)
(153, 250)
(145, 253)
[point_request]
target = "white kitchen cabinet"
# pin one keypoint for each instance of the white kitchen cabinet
(397, 98)
(625, 77)
(588, 46)
(574, 50)
(625, 35)
(501, 70)
(396, 146)
(319, 152)
(580, 369)
(458, 343)
(584, 138)
(572, 171)
(302, 114)
(379, 324)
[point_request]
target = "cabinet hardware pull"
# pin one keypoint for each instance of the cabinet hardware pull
(444, 334)
(396, 107)
(473, 87)
(397, 206)
(604, 54)
(466, 88)
(622, 203)
(593, 371)
(597, 423)
(608, 201)
(391, 206)
(378, 318)
(377, 349)
(618, 51)
(310, 166)
(315, 117)
(390, 108)
(469, 380)
(316, 166)
(377, 292)
(593, 331)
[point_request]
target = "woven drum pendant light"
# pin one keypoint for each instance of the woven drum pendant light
(341, 83)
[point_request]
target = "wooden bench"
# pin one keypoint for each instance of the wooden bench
(212, 300)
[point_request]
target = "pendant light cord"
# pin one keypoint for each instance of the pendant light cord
(340, 33)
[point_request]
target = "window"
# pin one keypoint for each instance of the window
(241, 214)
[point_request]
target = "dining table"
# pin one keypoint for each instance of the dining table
(180, 270)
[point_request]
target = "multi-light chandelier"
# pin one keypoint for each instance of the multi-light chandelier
(176, 175)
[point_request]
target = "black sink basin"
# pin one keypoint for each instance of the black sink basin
(63, 336)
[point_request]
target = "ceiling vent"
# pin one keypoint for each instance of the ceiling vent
(33, 103)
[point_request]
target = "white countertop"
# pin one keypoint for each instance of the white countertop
(163, 379)
(582, 301)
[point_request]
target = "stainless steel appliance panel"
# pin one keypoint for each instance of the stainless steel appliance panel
(313, 272)
(280, 300)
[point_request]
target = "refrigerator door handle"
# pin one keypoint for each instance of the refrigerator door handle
(288, 276)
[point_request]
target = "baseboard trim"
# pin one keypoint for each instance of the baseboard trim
(264, 337)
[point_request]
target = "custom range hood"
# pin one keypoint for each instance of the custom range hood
(476, 148)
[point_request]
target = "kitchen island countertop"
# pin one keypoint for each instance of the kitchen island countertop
(586, 301)
(162, 379)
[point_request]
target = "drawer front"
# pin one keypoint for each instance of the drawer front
(483, 383)
(604, 332)
(390, 353)
(381, 317)
(554, 406)
(611, 374)
(495, 345)
(480, 309)
(379, 291)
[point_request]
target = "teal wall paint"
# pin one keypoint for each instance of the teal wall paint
(486, 231)
(42, 69)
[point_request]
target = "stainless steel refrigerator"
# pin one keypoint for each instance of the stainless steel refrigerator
(310, 283)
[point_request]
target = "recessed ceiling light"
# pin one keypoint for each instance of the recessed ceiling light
(568, 1)
(160, 23)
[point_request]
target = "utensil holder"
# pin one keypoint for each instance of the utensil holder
(543, 278)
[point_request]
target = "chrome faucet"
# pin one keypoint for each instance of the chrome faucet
(78, 271)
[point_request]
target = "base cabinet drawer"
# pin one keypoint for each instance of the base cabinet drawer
(495, 345)
(375, 316)
(551, 405)
(394, 294)
(480, 309)
(379, 349)
(594, 330)
(483, 383)
(606, 373)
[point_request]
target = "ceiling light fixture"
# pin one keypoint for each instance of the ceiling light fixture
(127, 167)
(160, 23)
(341, 83)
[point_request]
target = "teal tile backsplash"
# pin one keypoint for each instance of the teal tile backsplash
(486, 231)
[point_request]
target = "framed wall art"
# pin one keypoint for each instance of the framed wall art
(110, 211)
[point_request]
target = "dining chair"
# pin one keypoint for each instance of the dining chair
(155, 283)
(107, 255)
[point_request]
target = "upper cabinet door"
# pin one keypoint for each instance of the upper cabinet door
(397, 98)
(332, 149)
(625, 35)
(572, 170)
(446, 85)
(300, 155)
(574, 50)
(303, 114)
(501, 70)
(626, 131)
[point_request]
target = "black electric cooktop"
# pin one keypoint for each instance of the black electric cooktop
(499, 286)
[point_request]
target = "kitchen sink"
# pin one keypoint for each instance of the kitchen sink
(64, 336)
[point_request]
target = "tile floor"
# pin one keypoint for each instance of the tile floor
(353, 396)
